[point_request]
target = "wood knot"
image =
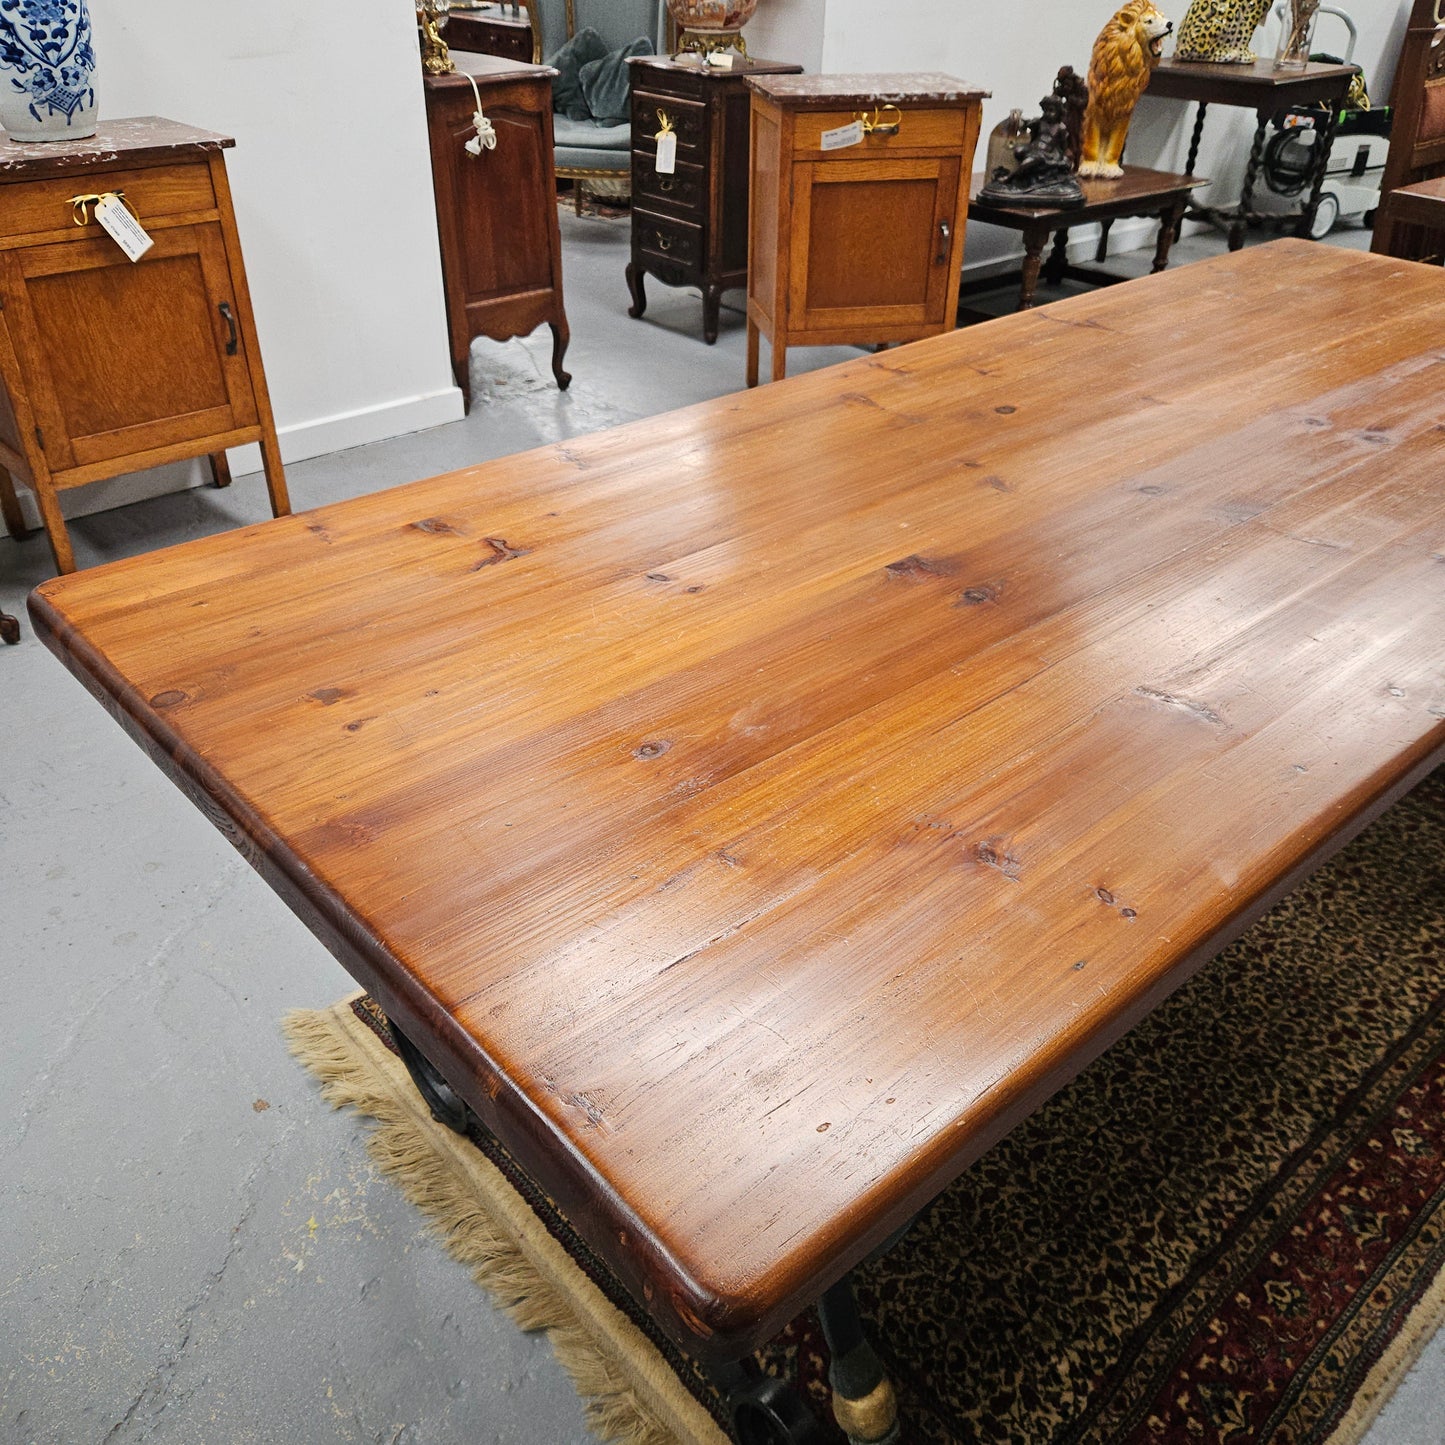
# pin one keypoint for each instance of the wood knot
(651, 750)
(915, 568)
(498, 550)
(1005, 410)
(436, 526)
(172, 697)
(328, 695)
(976, 596)
(994, 853)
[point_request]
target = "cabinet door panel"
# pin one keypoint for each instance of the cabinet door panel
(123, 356)
(502, 211)
(871, 242)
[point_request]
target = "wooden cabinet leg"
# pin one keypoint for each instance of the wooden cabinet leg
(752, 352)
(50, 514)
(561, 338)
(636, 285)
(220, 469)
(275, 476)
(10, 506)
(711, 303)
(9, 629)
(780, 357)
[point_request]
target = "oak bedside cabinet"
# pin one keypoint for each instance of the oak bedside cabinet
(110, 365)
(690, 226)
(859, 202)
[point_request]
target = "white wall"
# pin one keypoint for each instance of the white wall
(332, 187)
(789, 30)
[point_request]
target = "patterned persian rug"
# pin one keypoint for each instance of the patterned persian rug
(1230, 1228)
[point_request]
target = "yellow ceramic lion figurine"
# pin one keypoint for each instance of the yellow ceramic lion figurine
(1125, 54)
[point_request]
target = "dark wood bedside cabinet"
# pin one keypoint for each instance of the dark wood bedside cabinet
(691, 228)
(497, 211)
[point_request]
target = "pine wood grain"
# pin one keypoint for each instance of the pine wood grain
(758, 810)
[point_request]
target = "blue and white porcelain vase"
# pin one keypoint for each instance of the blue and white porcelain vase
(47, 65)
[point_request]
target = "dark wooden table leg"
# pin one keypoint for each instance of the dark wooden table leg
(220, 469)
(1101, 251)
(1058, 261)
(1169, 219)
(1196, 138)
(1035, 239)
(1251, 172)
(9, 629)
(636, 285)
(1324, 143)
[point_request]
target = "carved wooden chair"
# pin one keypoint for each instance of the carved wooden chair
(1417, 139)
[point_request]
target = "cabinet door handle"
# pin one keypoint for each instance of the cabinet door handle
(228, 316)
(945, 234)
(664, 243)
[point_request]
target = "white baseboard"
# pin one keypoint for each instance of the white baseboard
(298, 442)
(1131, 234)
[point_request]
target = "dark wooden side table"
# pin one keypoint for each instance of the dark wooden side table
(497, 211)
(1266, 91)
(1138, 192)
(493, 30)
(690, 228)
(111, 365)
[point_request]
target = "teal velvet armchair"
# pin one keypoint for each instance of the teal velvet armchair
(588, 152)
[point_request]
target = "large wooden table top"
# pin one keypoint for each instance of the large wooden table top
(758, 810)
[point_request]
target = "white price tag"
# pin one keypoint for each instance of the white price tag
(666, 152)
(843, 137)
(122, 227)
(721, 59)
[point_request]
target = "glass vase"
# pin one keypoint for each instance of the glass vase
(1296, 37)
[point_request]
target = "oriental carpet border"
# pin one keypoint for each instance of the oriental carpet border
(1231, 1228)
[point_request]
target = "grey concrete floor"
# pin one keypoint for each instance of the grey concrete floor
(193, 1247)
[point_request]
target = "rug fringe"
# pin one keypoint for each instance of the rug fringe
(615, 1411)
(1375, 1392)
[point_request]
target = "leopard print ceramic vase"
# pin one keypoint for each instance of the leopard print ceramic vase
(1220, 31)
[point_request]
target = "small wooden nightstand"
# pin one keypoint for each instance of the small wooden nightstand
(690, 228)
(856, 240)
(111, 365)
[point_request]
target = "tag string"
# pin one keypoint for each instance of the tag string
(80, 205)
(486, 132)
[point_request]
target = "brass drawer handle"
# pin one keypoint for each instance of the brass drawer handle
(665, 185)
(664, 243)
(875, 124)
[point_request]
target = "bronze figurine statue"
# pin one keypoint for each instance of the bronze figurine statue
(1044, 176)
